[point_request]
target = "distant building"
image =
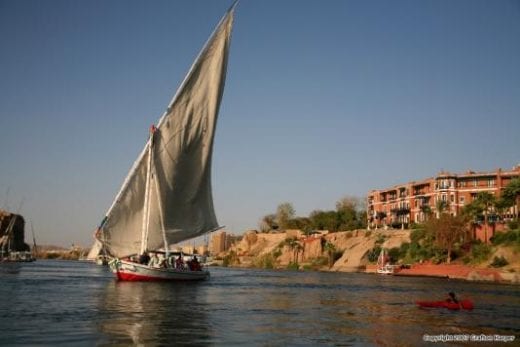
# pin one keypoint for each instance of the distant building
(202, 250)
(219, 243)
(412, 201)
(188, 249)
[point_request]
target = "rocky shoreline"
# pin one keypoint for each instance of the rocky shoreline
(271, 250)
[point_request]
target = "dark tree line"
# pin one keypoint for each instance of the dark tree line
(349, 215)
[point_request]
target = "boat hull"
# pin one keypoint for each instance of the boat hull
(462, 304)
(129, 271)
(387, 269)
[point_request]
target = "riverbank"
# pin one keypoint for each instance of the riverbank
(354, 251)
(455, 271)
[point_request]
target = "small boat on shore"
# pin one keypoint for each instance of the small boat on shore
(383, 265)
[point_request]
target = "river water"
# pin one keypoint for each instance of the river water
(80, 304)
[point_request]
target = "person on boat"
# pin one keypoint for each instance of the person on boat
(170, 263)
(452, 298)
(154, 261)
(144, 258)
(162, 262)
(179, 264)
(194, 264)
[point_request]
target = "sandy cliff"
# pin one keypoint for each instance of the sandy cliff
(353, 244)
(357, 244)
(353, 248)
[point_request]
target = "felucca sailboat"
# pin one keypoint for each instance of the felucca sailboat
(166, 197)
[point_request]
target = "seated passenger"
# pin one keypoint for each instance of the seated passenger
(154, 261)
(179, 264)
(171, 262)
(194, 264)
(144, 258)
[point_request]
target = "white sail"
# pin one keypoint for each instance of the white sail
(180, 175)
(95, 250)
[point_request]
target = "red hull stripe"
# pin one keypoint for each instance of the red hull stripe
(125, 276)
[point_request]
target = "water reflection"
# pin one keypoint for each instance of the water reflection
(8, 268)
(153, 313)
(68, 303)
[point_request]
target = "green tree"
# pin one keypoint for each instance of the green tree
(380, 216)
(487, 202)
(448, 230)
(351, 213)
(441, 206)
(325, 220)
(295, 247)
(267, 223)
(349, 203)
(511, 195)
(284, 213)
(426, 210)
(302, 223)
(331, 251)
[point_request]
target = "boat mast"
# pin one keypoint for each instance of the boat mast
(146, 208)
(35, 248)
(161, 214)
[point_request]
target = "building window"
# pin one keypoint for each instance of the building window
(452, 198)
(461, 200)
(475, 183)
(491, 183)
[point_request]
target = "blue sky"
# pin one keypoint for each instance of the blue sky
(323, 99)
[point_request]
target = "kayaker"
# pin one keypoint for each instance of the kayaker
(452, 298)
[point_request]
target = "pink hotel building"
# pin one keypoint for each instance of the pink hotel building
(405, 203)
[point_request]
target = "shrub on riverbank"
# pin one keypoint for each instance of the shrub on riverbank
(480, 252)
(65, 255)
(293, 266)
(499, 262)
(265, 261)
(230, 259)
(509, 238)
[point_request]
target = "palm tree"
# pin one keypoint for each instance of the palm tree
(511, 194)
(472, 211)
(441, 206)
(426, 210)
(380, 216)
(330, 249)
(486, 201)
(295, 246)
